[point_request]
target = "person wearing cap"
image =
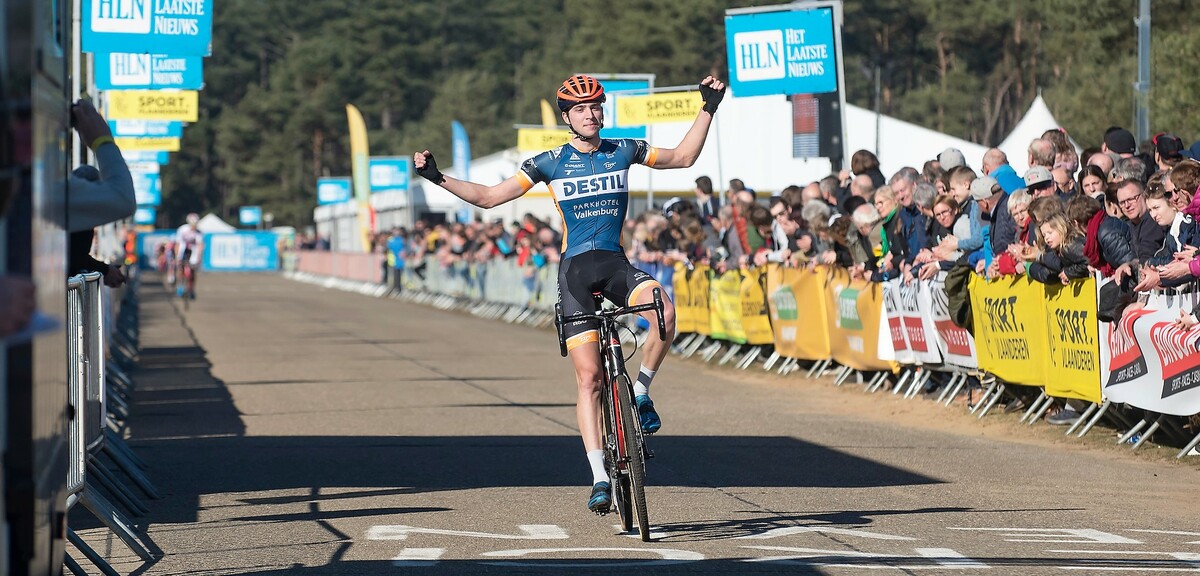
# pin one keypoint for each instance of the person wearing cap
(1119, 141)
(1039, 182)
(994, 207)
(951, 158)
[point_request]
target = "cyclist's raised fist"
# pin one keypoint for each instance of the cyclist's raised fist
(712, 91)
(426, 167)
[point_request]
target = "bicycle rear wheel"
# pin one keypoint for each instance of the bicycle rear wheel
(631, 433)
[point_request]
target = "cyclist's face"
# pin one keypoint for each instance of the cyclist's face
(587, 119)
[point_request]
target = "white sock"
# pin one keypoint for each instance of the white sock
(642, 386)
(596, 460)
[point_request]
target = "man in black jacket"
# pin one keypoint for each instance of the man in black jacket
(1147, 235)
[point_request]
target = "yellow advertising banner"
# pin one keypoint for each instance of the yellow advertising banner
(853, 314)
(806, 326)
(783, 308)
(658, 108)
(1010, 328)
(183, 105)
(150, 144)
(726, 307)
(1073, 334)
(755, 322)
(539, 139)
(685, 311)
(698, 286)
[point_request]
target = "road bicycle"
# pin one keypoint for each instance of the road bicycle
(186, 275)
(625, 451)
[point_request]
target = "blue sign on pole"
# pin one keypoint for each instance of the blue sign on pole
(138, 156)
(250, 215)
(170, 27)
(785, 52)
(334, 190)
(145, 129)
(146, 188)
(613, 89)
(461, 148)
(123, 71)
(389, 173)
(145, 215)
(241, 251)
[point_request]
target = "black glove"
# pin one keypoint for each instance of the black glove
(712, 98)
(430, 171)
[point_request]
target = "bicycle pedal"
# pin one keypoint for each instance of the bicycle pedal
(601, 513)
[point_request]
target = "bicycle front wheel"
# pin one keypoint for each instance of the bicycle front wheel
(631, 434)
(612, 455)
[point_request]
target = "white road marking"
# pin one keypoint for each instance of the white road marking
(949, 558)
(1176, 532)
(667, 555)
(415, 557)
(1056, 535)
(866, 560)
(790, 530)
(528, 532)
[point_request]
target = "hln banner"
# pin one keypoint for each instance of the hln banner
(616, 91)
(182, 105)
(783, 52)
(141, 144)
(148, 72)
(658, 108)
(171, 27)
(540, 139)
(146, 128)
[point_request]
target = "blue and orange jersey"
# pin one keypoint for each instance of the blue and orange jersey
(590, 189)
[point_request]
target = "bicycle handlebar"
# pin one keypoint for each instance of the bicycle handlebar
(608, 315)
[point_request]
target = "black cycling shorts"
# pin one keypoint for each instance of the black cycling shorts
(608, 273)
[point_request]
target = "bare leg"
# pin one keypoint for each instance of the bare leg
(586, 360)
(656, 348)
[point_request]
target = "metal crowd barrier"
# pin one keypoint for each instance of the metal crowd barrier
(101, 349)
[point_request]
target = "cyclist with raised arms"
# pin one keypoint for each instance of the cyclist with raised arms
(588, 177)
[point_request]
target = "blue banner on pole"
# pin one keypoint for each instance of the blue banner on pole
(241, 252)
(462, 150)
(614, 88)
(334, 190)
(785, 52)
(123, 71)
(145, 129)
(137, 156)
(250, 215)
(146, 188)
(145, 215)
(389, 173)
(170, 27)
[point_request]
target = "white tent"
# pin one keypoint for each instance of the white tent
(1036, 121)
(213, 223)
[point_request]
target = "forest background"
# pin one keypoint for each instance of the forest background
(273, 118)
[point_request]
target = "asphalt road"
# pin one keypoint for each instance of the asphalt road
(295, 429)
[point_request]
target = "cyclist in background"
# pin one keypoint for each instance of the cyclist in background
(189, 245)
(588, 177)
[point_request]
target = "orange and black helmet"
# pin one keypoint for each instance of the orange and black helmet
(579, 89)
